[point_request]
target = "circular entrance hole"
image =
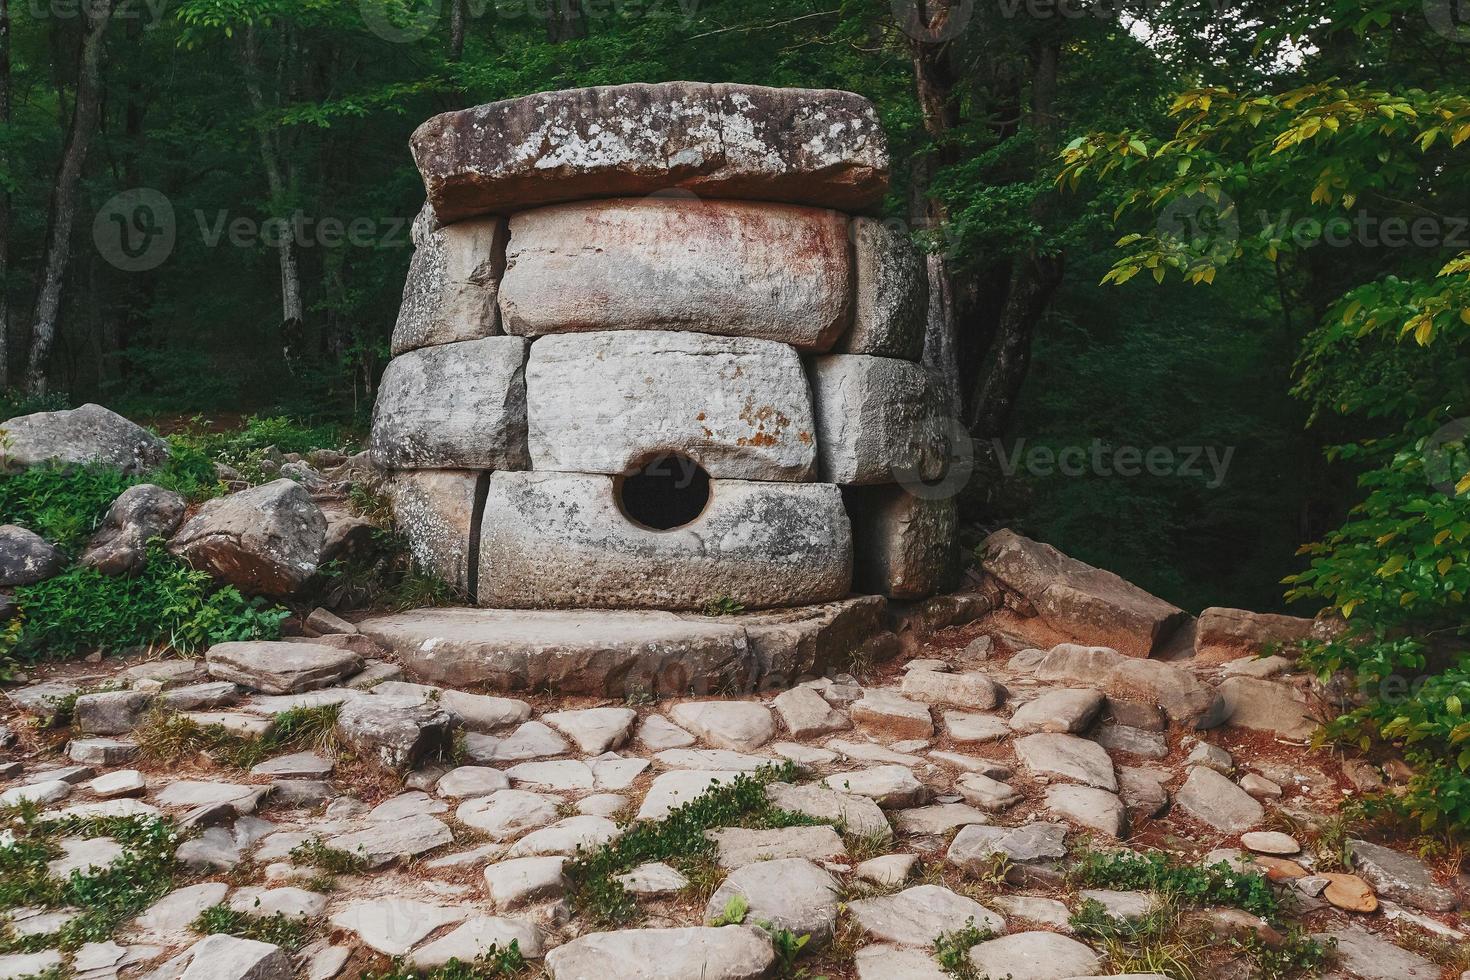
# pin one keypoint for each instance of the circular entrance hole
(667, 491)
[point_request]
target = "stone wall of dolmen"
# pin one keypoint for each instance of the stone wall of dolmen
(605, 275)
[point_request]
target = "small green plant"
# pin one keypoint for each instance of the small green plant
(316, 853)
(723, 606)
(493, 964)
(279, 929)
(169, 738)
(734, 912)
(952, 949)
(64, 505)
(1298, 956)
(1160, 941)
(1186, 884)
(787, 946)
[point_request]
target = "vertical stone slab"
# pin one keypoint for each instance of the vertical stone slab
(455, 406)
(904, 545)
(435, 511)
(892, 295)
(453, 283)
(878, 420)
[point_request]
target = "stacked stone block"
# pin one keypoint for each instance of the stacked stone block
(630, 302)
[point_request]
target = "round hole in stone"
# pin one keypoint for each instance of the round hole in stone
(667, 491)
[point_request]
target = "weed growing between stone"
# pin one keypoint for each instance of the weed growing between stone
(952, 949)
(493, 964)
(169, 738)
(677, 839)
(315, 853)
(1186, 884)
(287, 932)
(104, 897)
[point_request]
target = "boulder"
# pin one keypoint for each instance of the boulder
(892, 297)
(805, 146)
(725, 953)
(141, 513)
(90, 434)
(605, 654)
(27, 558)
(1184, 697)
(738, 407)
(879, 420)
(277, 667)
(1267, 706)
(761, 544)
(1229, 634)
(453, 406)
(400, 732)
(904, 544)
(731, 268)
(450, 294)
(266, 540)
(1077, 600)
(435, 510)
(111, 712)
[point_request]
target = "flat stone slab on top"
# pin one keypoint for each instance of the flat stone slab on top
(805, 146)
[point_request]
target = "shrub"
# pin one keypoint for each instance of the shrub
(64, 505)
(1185, 884)
(169, 603)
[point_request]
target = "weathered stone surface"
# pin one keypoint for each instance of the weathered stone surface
(1034, 956)
(595, 730)
(654, 878)
(197, 697)
(887, 869)
(1077, 600)
(140, 513)
(938, 819)
(280, 668)
(224, 957)
(892, 297)
(1183, 696)
(806, 146)
(508, 813)
(658, 733)
(1266, 706)
(761, 544)
(584, 833)
(609, 654)
(730, 268)
(476, 937)
(1045, 911)
(385, 842)
(454, 406)
(45, 791)
(1212, 799)
(1069, 757)
(886, 711)
(988, 794)
(434, 510)
(167, 920)
(888, 786)
(805, 713)
(675, 788)
(84, 855)
(1135, 741)
(515, 883)
(266, 539)
(1092, 808)
(738, 407)
(298, 765)
(190, 793)
(87, 434)
(858, 814)
(393, 926)
(452, 285)
(726, 953)
(914, 916)
(904, 544)
(968, 690)
(101, 751)
(1064, 711)
(964, 726)
(27, 558)
(1371, 957)
(1143, 791)
(881, 961)
(879, 420)
(1400, 877)
(740, 726)
(1270, 842)
(120, 782)
(111, 712)
(396, 731)
(532, 740)
(976, 846)
(789, 644)
(1210, 756)
(1230, 634)
(789, 893)
(738, 847)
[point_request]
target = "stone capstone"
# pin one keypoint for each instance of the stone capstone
(805, 146)
(738, 407)
(89, 434)
(450, 294)
(264, 540)
(728, 268)
(761, 544)
(454, 406)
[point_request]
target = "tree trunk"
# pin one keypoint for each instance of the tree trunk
(64, 194)
(5, 195)
(565, 22)
(456, 29)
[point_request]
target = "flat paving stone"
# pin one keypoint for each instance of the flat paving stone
(738, 846)
(990, 795)
(937, 820)
(568, 836)
(1399, 877)
(101, 751)
(298, 765)
(1066, 711)
(595, 730)
(653, 879)
(725, 953)
(508, 813)
(889, 786)
(1094, 808)
(808, 756)
(85, 855)
(1214, 800)
(887, 869)
(806, 714)
(467, 781)
(788, 893)
(120, 782)
(1042, 911)
(277, 667)
(710, 759)
(1370, 957)
(1068, 757)
(881, 961)
(967, 690)
(384, 843)
(520, 881)
(872, 752)
(393, 926)
(968, 726)
(859, 815)
(476, 936)
(532, 740)
(976, 845)
(741, 726)
(289, 901)
(892, 714)
(679, 786)
(1034, 956)
(914, 916)
(558, 774)
(658, 733)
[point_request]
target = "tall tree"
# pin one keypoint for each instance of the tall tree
(97, 15)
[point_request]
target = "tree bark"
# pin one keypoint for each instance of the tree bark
(456, 29)
(565, 22)
(54, 260)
